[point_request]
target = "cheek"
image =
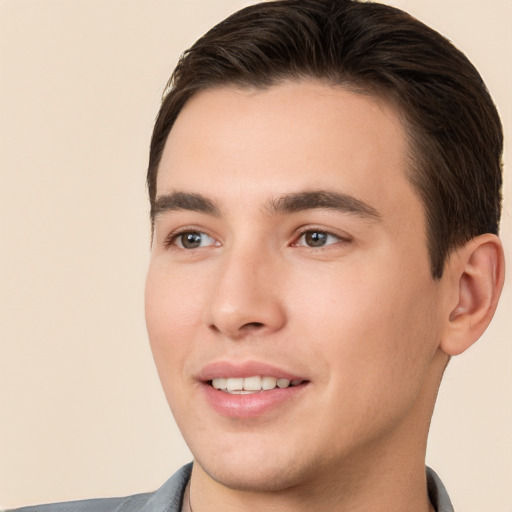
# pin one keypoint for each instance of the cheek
(171, 313)
(372, 326)
(171, 303)
(376, 344)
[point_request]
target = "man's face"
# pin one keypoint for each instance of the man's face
(290, 246)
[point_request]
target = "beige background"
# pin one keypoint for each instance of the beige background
(81, 410)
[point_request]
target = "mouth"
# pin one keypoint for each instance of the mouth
(251, 385)
(250, 389)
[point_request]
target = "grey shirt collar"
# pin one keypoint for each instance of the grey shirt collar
(437, 493)
(169, 497)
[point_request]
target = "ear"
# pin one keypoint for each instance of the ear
(476, 272)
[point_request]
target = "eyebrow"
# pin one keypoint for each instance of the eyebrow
(322, 199)
(287, 203)
(183, 201)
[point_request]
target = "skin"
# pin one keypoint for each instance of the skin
(360, 318)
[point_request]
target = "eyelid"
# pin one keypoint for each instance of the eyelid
(343, 238)
(170, 239)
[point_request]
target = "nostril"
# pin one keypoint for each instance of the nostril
(249, 326)
(253, 325)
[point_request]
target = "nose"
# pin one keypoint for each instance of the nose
(246, 300)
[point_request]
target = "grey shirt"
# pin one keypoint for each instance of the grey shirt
(169, 498)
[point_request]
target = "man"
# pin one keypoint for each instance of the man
(325, 182)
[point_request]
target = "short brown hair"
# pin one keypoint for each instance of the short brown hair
(454, 129)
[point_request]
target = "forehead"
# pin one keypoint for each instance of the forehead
(286, 138)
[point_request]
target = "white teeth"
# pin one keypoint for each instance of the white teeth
(283, 383)
(234, 384)
(252, 383)
(268, 383)
(219, 383)
(255, 384)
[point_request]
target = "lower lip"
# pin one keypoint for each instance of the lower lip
(250, 405)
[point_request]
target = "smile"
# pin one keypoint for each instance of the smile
(249, 385)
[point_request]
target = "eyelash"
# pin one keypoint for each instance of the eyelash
(173, 238)
(310, 230)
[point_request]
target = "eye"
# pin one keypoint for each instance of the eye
(317, 238)
(191, 240)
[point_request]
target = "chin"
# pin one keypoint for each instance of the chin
(250, 479)
(262, 473)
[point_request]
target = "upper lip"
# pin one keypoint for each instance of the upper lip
(244, 369)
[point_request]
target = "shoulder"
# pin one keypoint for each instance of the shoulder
(127, 503)
(166, 499)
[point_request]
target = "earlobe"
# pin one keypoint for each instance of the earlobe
(477, 272)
